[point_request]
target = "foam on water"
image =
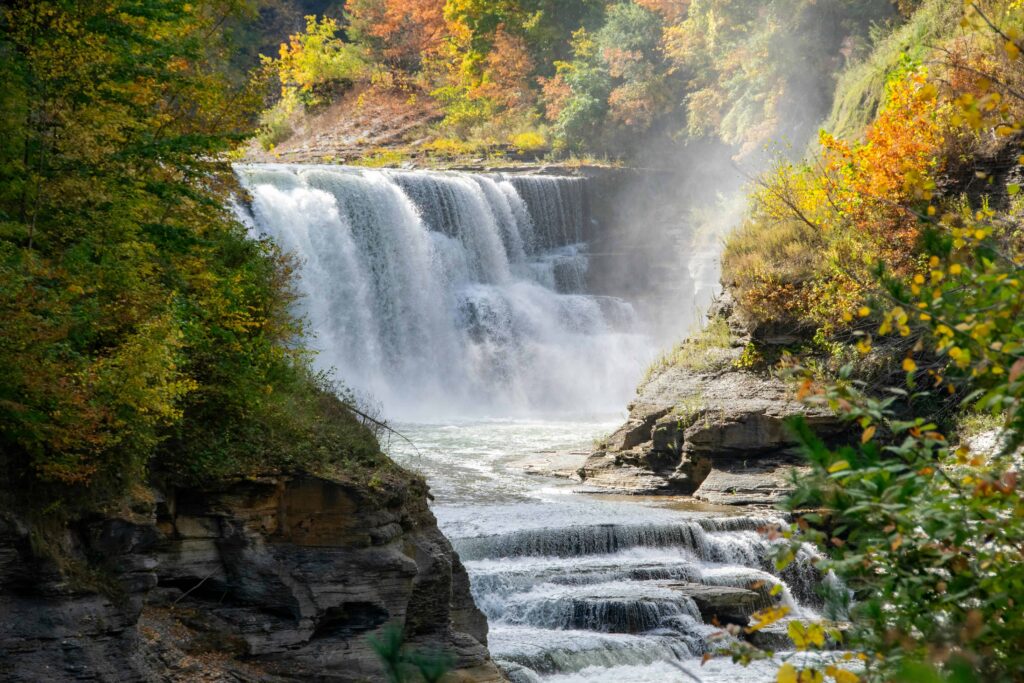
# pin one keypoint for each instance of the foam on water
(587, 588)
(444, 294)
(454, 294)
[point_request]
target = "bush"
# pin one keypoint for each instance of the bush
(528, 142)
(927, 534)
(275, 123)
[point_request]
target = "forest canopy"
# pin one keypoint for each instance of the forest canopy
(593, 76)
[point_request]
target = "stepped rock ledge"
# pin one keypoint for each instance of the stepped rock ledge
(269, 580)
(715, 431)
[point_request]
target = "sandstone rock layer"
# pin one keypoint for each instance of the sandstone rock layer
(711, 430)
(280, 579)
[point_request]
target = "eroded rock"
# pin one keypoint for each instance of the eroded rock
(285, 577)
(710, 429)
(723, 604)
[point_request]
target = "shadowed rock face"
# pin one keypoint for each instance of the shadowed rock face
(718, 434)
(273, 580)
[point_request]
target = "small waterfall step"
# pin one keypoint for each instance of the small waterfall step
(619, 607)
(546, 652)
(732, 540)
(564, 600)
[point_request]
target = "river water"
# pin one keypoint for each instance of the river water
(449, 297)
(578, 586)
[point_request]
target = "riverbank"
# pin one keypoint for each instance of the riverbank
(285, 578)
(705, 423)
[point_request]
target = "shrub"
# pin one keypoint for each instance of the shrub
(528, 142)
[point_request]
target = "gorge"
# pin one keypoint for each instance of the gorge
(462, 302)
(529, 341)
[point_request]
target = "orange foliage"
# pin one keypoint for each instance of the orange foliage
(819, 228)
(672, 10)
(871, 184)
(633, 104)
(556, 94)
(507, 71)
(408, 29)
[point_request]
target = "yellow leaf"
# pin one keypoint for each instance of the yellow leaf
(767, 617)
(798, 634)
(868, 434)
(787, 674)
(842, 675)
(839, 466)
(909, 365)
(811, 676)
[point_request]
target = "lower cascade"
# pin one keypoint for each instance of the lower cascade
(581, 587)
(450, 293)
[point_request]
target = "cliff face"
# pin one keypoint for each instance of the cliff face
(708, 429)
(281, 579)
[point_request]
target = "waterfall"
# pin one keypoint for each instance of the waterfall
(441, 294)
(604, 599)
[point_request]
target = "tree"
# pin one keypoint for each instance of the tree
(141, 330)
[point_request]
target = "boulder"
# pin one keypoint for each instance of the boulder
(689, 422)
(723, 604)
(764, 481)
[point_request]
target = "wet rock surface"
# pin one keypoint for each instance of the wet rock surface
(710, 430)
(282, 579)
(723, 605)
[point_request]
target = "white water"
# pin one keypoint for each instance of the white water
(579, 587)
(453, 296)
(441, 294)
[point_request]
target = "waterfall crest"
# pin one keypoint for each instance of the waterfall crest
(444, 294)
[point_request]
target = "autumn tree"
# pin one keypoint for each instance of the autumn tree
(923, 525)
(403, 33)
(141, 330)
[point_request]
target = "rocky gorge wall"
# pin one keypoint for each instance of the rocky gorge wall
(270, 580)
(708, 428)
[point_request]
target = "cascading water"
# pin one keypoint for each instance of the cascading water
(448, 296)
(580, 588)
(450, 293)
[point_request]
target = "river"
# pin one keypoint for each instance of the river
(450, 297)
(580, 586)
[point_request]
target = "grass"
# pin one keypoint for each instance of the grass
(972, 424)
(861, 88)
(701, 352)
(769, 262)
(382, 158)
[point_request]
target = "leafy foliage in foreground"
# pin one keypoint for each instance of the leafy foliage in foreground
(141, 329)
(927, 533)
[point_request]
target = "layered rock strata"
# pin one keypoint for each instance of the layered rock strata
(278, 579)
(707, 429)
